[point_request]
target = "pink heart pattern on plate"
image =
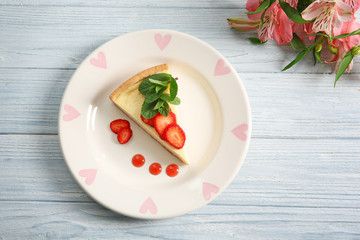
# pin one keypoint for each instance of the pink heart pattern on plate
(71, 113)
(208, 189)
(239, 131)
(89, 175)
(220, 68)
(100, 61)
(162, 41)
(148, 205)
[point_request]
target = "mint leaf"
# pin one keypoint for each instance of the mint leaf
(166, 97)
(159, 104)
(147, 110)
(158, 89)
(297, 43)
(153, 96)
(145, 86)
(164, 77)
(256, 41)
(263, 5)
(173, 88)
(293, 13)
(176, 101)
(158, 82)
(343, 65)
(165, 110)
(153, 87)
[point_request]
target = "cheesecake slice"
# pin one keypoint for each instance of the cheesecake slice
(128, 99)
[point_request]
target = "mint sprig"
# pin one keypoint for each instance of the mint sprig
(156, 101)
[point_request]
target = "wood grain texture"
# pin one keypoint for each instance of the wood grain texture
(300, 179)
(130, 4)
(29, 34)
(280, 191)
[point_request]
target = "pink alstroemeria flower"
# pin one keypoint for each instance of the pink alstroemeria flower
(327, 14)
(345, 44)
(304, 30)
(251, 6)
(275, 22)
(354, 4)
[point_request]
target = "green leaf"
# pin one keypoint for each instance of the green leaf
(356, 32)
(158, 88)
(145, 86)
(256, 41)
(158, 82)
(302, 54)
(176, 101)
(153, 96)
(165, 110)
(314, 57)
(173, 89)
(343, 65)
(297, 43)
(293, 13)
(164, 77)
(166, 97)
(317, 56)
(147, 110)
(303, 4)
(159, 104)
(263, 5)
(156, 100)
(321, 34)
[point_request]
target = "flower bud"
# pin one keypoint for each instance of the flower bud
(334, 50)
(319, 40)
(355, 51)
(318, 47)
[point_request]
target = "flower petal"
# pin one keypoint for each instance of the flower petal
(251, 6)
(312, 11)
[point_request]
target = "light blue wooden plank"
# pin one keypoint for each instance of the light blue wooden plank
(30, 99)
(283, 105)
(90, 221)
(129, 4)
(29, 35)
(285, 173)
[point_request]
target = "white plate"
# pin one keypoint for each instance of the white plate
(215, 115)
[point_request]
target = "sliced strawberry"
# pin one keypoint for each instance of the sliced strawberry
(175, 135)
(124, 135)
(150, 121)
(161, 122)
(117, 124)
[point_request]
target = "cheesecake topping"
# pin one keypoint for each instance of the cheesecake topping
(159, 90)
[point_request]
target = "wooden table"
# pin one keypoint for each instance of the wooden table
(300, 179)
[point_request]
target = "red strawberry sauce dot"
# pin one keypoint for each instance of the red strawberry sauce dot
(138, 160)
(172, 170)
(155, 169)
